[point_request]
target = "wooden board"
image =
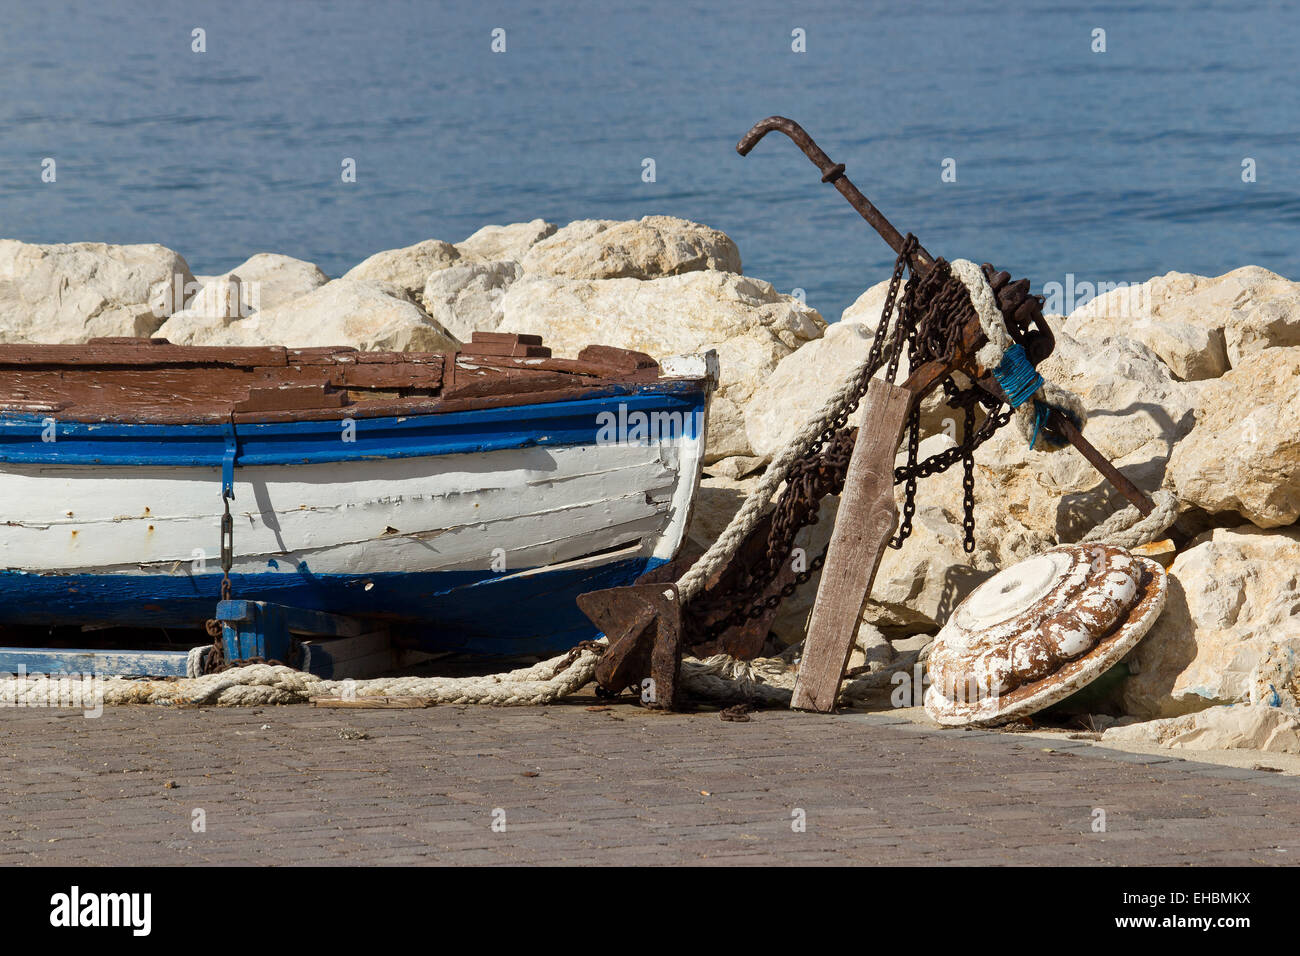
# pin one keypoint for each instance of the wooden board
(866, 520)
(61, 662)
(374, 703)
(152, 381)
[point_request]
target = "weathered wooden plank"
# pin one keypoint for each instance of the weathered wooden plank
(866, 519)
(616, 357)
(69, 661)
(374, 703)
(291, 398)
(157, 354)
(504, 338)
(506, 348)
(424, 375)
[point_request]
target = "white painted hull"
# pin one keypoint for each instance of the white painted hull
(481, 550)
(514, 508)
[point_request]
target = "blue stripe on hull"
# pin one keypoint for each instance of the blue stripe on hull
(476, 612)
(31, 438)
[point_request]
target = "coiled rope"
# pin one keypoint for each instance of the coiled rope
(718, 679)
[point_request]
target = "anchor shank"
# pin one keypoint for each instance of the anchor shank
(834, 173)
(1060, 423)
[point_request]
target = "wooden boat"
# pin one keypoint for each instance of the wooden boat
(463, 499)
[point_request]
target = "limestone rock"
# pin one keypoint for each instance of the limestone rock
(1233, 596)
(1192, 353)
(867, 307)
(1240, 727)
(751, 325)
(1275, 678)
(70, 293)
(803, 382)
(366, 315)
(1244, 453)
(735, 467)
(871, 652)
(408, 268)
(1232, 315)
(222, 297)
(919, 586)
(265, 281)
(505, 242)
(646, 249)
(466, 297)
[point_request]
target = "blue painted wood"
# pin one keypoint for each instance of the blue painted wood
(254, 629)
(298, 620)
(284, 443)
(102, 663)
(263, 629)
(476, 612)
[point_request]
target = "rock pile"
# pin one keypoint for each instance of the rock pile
(1193, 385)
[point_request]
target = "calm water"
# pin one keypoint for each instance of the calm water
(1112, 166)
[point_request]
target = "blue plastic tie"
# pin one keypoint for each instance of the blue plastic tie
(1042, 411)
(1017, 376)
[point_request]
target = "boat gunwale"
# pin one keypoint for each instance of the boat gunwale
(574, 420)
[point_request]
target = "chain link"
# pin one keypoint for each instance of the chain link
(933, 313)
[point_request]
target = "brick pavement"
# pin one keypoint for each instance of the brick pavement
(618, 786)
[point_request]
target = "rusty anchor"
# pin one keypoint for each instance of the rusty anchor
(644, 622)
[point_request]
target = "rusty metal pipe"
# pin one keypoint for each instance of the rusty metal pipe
(1062, 425)
(834, 173)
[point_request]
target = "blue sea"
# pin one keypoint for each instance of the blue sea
(1110, 166)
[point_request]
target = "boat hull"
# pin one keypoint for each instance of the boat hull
(470, 531)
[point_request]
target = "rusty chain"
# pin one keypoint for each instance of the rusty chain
(932, 314)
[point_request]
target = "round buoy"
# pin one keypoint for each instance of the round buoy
(1038, 631)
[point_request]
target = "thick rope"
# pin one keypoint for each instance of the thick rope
(719, 679)
(999, 344)
(768, 681)
(1128, 529)
(751, 512)
(195, 660)
(258, 684)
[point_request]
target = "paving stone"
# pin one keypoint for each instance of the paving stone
(875, 788)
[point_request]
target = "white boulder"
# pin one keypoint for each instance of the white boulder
(466, 296)
(366, 315)
(505, 242)
(1244, 453)
(1233, 597)
(867, 307)
(264, 281)
(751, 325)
(407, 268)
(68, 293)
(1239, 727)
(640, 249)
(1199, 325)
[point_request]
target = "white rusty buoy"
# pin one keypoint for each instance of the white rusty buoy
(1038, 631)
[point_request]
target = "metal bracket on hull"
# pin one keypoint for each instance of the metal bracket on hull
(228, 460)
